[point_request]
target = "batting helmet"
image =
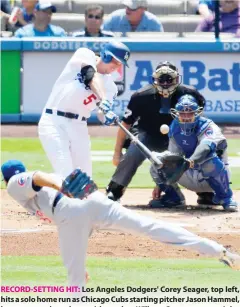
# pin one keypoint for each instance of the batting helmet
(166, 78)
(187, 113)
(116, 50)
(11, 168)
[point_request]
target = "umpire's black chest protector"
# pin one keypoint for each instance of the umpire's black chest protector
(152, 110)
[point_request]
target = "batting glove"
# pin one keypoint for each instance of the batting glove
(105, 106)
(110, 118)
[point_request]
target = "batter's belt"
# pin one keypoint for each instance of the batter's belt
(65, 114)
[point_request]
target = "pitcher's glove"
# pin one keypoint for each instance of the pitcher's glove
(172, 168)
(78, 185)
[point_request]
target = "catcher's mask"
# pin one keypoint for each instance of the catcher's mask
(187, 113)
(166, 78)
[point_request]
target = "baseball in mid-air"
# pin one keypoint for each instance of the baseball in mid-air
(164, 129)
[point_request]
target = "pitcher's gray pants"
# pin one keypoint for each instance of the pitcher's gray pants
(76, 219)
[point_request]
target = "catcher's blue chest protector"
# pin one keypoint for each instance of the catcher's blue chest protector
(188, 143)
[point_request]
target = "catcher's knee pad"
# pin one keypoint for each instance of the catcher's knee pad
(115, 191)
(212, 167)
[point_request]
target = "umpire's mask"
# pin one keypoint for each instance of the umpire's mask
(166, 78)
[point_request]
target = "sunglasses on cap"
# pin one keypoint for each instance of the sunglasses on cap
(91, 16)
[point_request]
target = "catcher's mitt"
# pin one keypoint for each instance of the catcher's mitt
(172, 168)
(78, 185)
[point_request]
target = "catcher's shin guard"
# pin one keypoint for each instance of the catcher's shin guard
(216, 175)
(115, 191)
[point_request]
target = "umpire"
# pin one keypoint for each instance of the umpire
(148, 109)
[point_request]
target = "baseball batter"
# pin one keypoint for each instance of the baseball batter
(200, 140)
(76, 219)
(84, 84)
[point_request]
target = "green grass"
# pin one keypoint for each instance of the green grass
(233, 147)
(109, 272)
(29, 150)
(107, 143)
(34, 145)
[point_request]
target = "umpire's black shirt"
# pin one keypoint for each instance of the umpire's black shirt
(151, 110)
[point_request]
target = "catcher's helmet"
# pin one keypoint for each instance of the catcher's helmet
(166, 78)
(187, 113)
(116, 50)
(11, 168)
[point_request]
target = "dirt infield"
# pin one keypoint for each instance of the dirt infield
(41, 238)
(22, 234)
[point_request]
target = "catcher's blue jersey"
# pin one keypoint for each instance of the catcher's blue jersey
(206, 130)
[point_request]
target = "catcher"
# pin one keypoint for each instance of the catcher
(88, 209)
(205, 168)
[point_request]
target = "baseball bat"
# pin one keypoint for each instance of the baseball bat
(147, 153)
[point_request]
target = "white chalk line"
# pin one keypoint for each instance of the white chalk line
(25, 230)
(105, 156)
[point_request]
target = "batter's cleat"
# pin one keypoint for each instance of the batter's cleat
(228, 204)
(165, 202)
(231, 260)
(205, 198)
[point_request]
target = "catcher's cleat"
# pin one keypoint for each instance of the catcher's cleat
(232, 206)
(233, 261)
(173, 197)
(165, 202)
(228, 204)
(205, 198)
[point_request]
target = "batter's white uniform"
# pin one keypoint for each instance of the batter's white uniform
(66, 141)
(76, 219)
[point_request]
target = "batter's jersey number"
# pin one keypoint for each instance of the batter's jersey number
(89, 99)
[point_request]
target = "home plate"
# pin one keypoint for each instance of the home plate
(201, 207)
